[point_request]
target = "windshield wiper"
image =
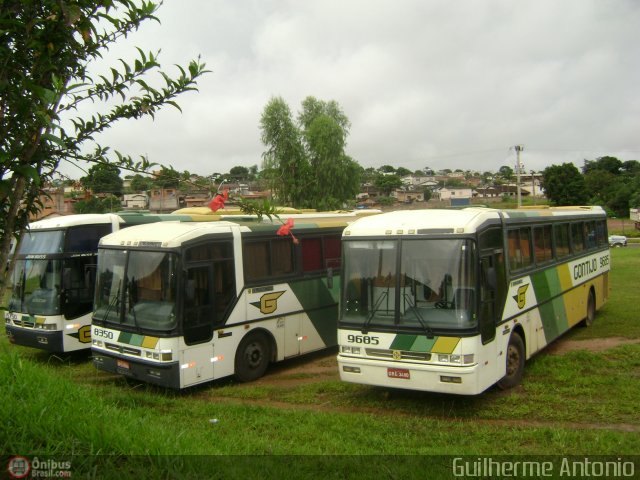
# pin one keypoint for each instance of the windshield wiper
(426, 328)
(112, 302)
(384, 295)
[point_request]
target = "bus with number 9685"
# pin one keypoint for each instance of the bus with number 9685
(455, 301)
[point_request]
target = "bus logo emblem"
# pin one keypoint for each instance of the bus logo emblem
(397, 355)
(268, 302)
(521, 297)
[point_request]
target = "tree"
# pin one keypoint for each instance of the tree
(403, 172)
(306, 163)
(612, 183)
(107, 204)
(103, 178)
(140, 183)
(239, 173)
(285, 167)
(506, 173)
(564, 185)
(46, 48)
(388, 183)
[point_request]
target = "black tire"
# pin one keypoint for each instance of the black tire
(252, 357)
(591, 310)
(515, 357)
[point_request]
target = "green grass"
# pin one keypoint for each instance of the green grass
(579, 403)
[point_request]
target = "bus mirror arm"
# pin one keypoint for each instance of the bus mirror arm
(330, 277)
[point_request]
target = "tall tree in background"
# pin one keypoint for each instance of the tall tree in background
(285, 167)
(564, 185)
(46, 48)
(306, 163)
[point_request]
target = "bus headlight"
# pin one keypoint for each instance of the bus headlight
(351, 350)
(467, 359)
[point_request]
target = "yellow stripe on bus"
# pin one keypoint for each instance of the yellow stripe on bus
(445, 345)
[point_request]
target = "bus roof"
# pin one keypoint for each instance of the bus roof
(465, 220)
(173, 234)
(73, 220)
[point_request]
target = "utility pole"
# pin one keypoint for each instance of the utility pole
(518, 149)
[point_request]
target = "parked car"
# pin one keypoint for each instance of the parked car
(617, 241)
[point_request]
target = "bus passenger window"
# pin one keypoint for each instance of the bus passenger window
(519, 245)
(577, 237)
(542, 237)
(561, 235)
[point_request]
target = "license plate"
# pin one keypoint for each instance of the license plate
(123, 364)
(398, 373)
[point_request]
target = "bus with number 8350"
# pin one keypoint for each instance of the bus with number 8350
(183, 304)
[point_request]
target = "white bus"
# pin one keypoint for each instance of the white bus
(455, 301)
(52, 283)
(178, 305)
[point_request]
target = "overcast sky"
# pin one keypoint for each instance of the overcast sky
(425, 83)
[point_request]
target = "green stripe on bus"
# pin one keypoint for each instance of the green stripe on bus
(403, 342)
(124, 337)
(321, 305)
(554, 319)
(553, 313)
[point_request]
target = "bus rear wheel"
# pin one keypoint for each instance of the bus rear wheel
(515, 363)
(252, 357)
(591, 310)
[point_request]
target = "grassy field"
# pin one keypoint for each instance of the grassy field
(581, 402)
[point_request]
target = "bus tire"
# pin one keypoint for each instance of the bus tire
(252, 357)
(515, 362)
(591, 310)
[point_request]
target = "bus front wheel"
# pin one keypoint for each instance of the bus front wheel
(252, 357)
(515, 363)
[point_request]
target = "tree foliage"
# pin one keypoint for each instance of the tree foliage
(103, 178)
(305, 161)
(46, 48)
(564, 185)
(613, 183)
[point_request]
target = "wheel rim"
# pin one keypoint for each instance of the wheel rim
(513, 360)
(253, 355)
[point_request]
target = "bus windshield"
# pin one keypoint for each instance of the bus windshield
(36, 286)
(137, 289)
(41, 242)
(429, 285)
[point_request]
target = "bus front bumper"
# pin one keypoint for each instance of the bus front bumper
(463, 380)
(51, 341)
(163, 374)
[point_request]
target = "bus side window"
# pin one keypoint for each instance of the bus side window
(519, 246)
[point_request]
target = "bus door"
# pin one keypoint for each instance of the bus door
(198, 322)
(492, 293)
